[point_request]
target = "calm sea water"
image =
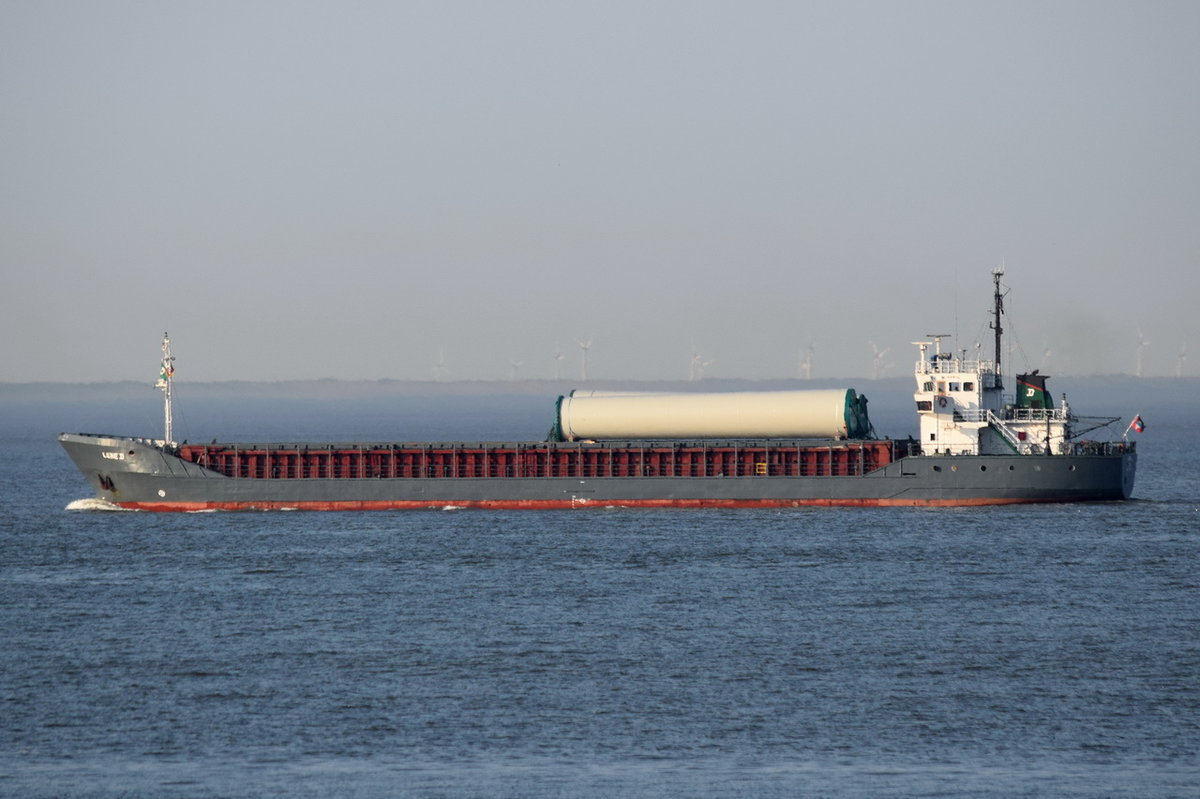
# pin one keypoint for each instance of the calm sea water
(1026, 651)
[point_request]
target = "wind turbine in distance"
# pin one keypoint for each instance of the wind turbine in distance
(1179, 361)
(696, 367)
(558, 359)
(516, 368)
(878, 367)
(440, 370)
(1143, 343)
(584, 346)
(806, 363)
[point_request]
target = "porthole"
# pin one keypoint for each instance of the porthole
(937, 468)
(1011, 467)
(954, 468)
(1071, 467)
(983, 467)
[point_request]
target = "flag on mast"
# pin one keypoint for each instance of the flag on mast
(1138, 425)
(166, 368)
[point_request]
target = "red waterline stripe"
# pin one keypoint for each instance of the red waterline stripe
(567, 504)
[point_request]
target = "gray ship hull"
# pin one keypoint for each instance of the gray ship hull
(140, 474)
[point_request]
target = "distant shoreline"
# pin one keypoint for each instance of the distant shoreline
(336, 389)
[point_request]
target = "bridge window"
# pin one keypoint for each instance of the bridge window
(968, 386)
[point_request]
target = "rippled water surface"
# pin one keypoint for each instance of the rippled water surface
(1019, 651)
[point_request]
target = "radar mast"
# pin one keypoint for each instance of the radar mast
(166, 373)
(997, 311)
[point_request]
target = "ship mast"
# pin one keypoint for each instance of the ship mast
(998, 298)
(166, 373)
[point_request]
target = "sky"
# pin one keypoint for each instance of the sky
(469, 190)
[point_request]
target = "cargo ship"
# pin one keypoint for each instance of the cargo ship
(979, 444)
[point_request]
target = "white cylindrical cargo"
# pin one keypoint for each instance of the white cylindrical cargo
(834, 413)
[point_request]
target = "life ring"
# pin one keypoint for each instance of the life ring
(942, 402)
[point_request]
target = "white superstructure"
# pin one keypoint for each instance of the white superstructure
(964, 410)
